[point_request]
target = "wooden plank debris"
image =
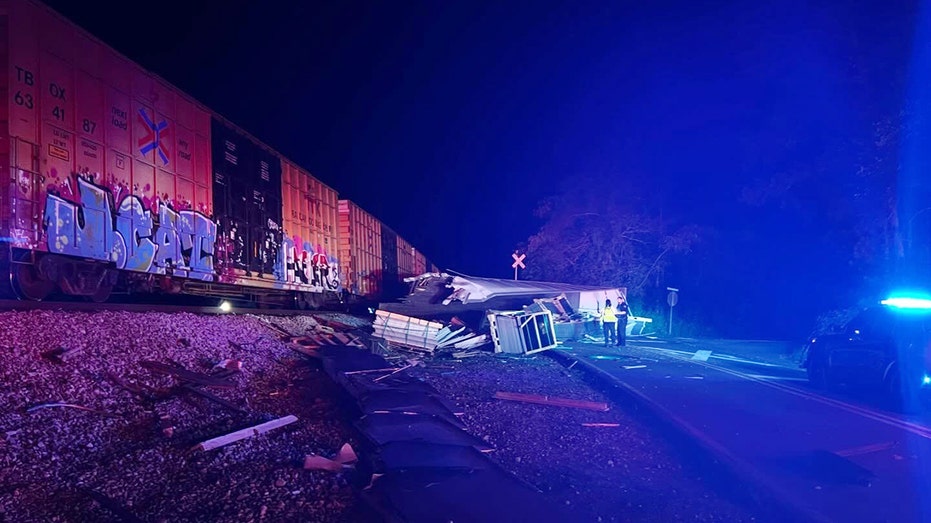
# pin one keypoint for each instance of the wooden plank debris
(139, 390)
(369, 371)
(214, 398)
(556, 402)
(399, 369)
(186, 375)
(310, 352)
(355, 341)
(241, 434)
(66, 405)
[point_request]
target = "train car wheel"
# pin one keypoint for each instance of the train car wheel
(302, 304)
(102, 294)
(28, 283)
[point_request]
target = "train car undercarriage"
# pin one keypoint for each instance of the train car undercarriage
(36, 276)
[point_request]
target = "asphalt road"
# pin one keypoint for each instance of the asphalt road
(832, 456)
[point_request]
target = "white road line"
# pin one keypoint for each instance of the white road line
(865, 449)
(778, 378)
(914, 428)
(718, 356)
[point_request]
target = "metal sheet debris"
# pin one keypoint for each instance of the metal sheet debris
(424, 335)
(522, 332)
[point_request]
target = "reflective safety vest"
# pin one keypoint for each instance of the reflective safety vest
(608, 315)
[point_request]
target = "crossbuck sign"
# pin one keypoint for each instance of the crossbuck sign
(518, 262)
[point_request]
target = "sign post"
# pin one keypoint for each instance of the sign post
(518, 262)
(672, 299)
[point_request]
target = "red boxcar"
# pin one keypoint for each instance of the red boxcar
(114, 172)
(360, 250)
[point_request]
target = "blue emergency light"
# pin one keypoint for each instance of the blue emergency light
(908, 303)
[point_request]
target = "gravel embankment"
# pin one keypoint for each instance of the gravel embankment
(120, 464)
(623, 473)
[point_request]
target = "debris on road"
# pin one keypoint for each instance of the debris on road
(628, 473)
(601, 424)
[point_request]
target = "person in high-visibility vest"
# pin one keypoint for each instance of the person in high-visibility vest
(609, 323)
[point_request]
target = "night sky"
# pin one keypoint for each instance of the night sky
(450, 120)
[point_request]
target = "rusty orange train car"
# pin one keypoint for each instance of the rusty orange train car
(118, 180)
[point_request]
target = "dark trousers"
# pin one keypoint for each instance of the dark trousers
(610, 328)
(622, 333)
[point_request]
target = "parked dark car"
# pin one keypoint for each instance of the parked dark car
(883, 349)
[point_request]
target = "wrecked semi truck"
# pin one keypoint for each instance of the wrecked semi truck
(519, 316)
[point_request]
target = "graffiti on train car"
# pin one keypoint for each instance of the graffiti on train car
(300, 263)
(130, 234)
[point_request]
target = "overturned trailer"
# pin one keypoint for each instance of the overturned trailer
(574, 307)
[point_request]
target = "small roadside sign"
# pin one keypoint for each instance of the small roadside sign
(672, 299)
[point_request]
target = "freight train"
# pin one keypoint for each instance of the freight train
(119, 181)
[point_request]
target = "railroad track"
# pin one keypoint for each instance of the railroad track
(84, 306)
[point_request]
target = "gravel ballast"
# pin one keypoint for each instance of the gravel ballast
(131, 459)
(604, 473)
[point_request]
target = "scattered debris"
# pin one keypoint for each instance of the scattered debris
(424, 335)
(244, 433)
(137, 457)
(166, 425)
(344, 458)
(546, 400)
(229, 364)
(186, 375)
(216, 399)
(522, 332)
(399, 369)
(701, 355)
(601, 424)
(630, 367)
(370, 371)
(61, 354)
